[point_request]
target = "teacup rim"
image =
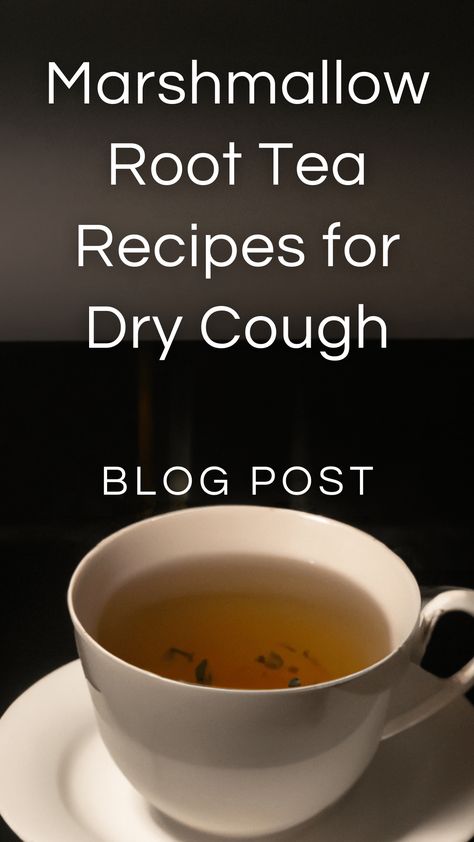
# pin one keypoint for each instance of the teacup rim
(202, 688)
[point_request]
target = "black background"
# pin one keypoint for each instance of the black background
(407, 411)
(66, 411)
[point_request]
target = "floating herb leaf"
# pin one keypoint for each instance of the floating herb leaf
(202, 676)
(273, 660)
(295, 682)
(293, 669)
(310, 658)
(287, 646)
(170, 653)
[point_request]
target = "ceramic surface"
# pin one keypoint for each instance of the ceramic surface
(58, 783)
(240, 761)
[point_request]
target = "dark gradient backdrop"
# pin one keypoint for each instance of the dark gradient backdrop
(65, 411)
(418, 161)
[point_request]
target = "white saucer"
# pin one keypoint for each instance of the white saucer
(58, 783)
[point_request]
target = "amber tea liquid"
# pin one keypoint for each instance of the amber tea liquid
(244, 623)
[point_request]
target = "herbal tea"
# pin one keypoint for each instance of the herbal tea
(244, 623)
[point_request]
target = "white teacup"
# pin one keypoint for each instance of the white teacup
(249, 762)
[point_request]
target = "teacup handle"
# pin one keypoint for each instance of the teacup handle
(457, 684)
